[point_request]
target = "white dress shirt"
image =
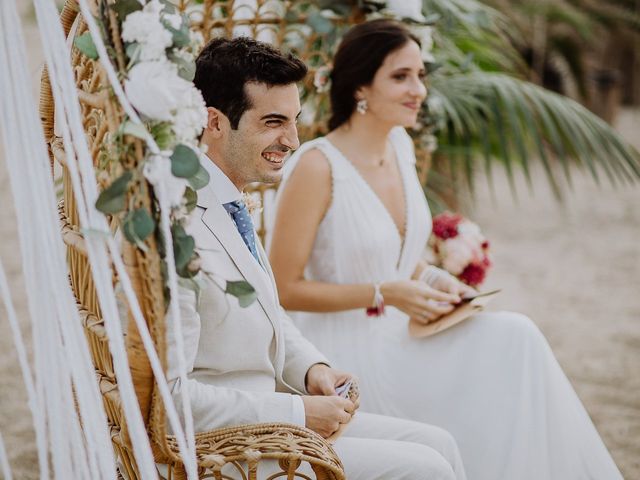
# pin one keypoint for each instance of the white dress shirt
(226, 192)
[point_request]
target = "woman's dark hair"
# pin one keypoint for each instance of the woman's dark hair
(224, 67)
(360, 55)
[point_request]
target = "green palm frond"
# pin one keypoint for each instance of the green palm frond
(562, 14)
(497, 117)
(611, 13)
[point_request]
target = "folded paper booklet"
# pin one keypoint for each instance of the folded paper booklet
(464, 310)
(350, 391)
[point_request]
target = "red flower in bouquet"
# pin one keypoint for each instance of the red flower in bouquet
(460, 248)
(446, 224)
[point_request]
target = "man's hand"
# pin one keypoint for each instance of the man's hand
(323, 380)
(324, 409)
(324, 414)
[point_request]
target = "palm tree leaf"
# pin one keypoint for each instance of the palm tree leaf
(500, 117)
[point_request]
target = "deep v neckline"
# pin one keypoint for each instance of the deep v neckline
(377, 197)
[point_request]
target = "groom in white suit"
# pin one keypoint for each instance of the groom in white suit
(251, 365)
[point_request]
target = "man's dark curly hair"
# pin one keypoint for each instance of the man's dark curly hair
(224, 67)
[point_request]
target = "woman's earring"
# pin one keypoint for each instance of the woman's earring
(362, 106)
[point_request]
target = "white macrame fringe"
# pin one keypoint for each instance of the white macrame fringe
(4, 461)
(63, 370)
(25, 369)
(93, 221)
(53, 393)
(186, 443)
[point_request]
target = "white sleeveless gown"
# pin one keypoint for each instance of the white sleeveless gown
(491, 381)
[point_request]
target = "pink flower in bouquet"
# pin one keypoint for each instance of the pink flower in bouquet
(460, 248)
(455, 254)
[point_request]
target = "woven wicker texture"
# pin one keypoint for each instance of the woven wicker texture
(242, 446)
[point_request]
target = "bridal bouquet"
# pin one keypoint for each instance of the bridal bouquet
(459, 247)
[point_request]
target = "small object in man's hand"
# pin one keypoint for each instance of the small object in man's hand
(343, 390)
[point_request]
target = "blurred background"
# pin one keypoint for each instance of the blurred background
(565, 252)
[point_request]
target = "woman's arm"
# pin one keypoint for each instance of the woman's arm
(304, 201)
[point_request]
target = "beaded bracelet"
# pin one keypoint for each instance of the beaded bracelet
(378, 303)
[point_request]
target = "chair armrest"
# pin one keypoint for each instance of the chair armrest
(244, 446)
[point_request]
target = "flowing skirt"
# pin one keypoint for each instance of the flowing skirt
(491, 381)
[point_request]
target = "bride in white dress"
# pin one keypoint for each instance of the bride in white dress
(351, 214)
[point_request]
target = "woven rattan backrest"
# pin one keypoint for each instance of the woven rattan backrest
(102, 117)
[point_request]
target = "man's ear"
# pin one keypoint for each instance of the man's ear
(217, 122)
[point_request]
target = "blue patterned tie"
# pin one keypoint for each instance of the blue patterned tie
(244, 224)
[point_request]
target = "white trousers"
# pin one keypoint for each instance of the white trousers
(375, 447)
(378, 447)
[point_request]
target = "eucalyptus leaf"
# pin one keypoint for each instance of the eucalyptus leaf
(183, 247)
(138, 225)
(163, 135)
(291, 16)
(243, 291)
(168, 7)
(186, 68)
(320, 23)
(191, 198)
(113, 198)
(184, 162)
(125, 7)
(432, 19)
(94, 232)
(85, 44)
(137, 130)
(133, 51)
(200, 179)
(181, 37)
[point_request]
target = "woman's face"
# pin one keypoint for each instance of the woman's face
(398, 89)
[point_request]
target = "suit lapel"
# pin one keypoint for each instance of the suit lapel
(222, 227)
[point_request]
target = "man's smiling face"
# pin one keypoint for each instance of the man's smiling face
(266, 133)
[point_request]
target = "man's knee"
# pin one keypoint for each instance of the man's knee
(428, 464)
(434, 437)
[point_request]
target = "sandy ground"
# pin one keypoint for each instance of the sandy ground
(573, 268)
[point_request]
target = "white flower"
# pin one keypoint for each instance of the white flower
(170, 189)
(196, 40)
(424, 34)
(191, 117)
(183, 54)
(472, 236)
(456, 254)
(430, 143)
(156, 90)
(253, 203)
(407, 8)
(322, 79)
(145, 28)
(154, 6)
(307, 113)
(173, 19)
(436, 104)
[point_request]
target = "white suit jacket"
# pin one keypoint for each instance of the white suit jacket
(243, 364)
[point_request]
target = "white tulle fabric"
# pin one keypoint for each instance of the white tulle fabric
(492, 381)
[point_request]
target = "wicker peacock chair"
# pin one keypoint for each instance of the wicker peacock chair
(242, 446)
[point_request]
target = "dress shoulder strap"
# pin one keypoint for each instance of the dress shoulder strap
(339, 170)
(403, 143)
